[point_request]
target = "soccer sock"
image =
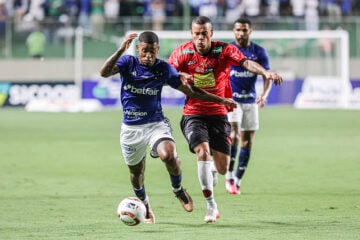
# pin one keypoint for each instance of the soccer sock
(243, 162)
(206, 182)
(176, 182)
(234, 150)
(141, 194)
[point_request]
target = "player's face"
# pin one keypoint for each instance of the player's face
(147, 53)
(201, 35)
(242, 33)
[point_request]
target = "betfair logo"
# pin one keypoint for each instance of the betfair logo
(141, 91)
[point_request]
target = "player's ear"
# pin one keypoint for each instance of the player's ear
(211, 32)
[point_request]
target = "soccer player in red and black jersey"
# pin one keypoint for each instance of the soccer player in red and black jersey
(204, 124)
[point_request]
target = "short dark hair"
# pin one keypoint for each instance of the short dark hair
(148, 37)
(243, 20)
(201, 20)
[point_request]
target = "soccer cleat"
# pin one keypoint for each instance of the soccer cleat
(236, 190)
(185, 199)
(212, 215)
(150, 216)
(230, 186)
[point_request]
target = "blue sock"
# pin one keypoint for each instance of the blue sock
(243, 162)
(234, 150)
(140, 193)
(176, 181)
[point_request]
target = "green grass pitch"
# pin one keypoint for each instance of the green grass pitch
(62, 177)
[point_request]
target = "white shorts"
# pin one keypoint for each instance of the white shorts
(135, 139)
(247, 115)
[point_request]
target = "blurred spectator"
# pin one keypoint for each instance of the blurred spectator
(346, 7)
(269, 8)
(208, 8)
(36, 43)
(285, 8)
(97, 17)
(332, 9)
(111, 10)
(232, 11)
(34, 14)
(3, 18)
(72, 9)
(250, 8)
(155, 13)
(84, 16)
(194, 7)
(312, 15)
(298, 12)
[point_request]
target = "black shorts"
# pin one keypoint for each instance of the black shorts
(212, 129)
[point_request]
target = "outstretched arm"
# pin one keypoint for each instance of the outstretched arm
(254, 67)
(109, 67)
(195, 92)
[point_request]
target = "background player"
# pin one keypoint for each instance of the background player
(204, 124)
(244, 119)
(144, 124)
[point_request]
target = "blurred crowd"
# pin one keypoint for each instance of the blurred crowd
(92, 14)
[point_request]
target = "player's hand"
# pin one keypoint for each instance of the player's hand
(276, 78)
(229, 102)
(128, 40)
(186, 78)
(260, 100)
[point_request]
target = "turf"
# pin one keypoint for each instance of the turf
(62, 176)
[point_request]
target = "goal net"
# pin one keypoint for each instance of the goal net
(315, 64)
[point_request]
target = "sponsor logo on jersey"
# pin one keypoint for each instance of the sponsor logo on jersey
(187, 51)
(234, 73)
(191, 63)
(204, 80)
(134, 114)
(239, 95)
(217, 50)
(141, 91)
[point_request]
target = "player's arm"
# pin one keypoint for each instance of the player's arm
(256, 68)
(195, 92)
(110, 68)
(262, 97)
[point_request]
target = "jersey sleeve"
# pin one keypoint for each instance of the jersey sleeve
(123, 62)
(173, 79)
(234, 55)
(264, 59)
(174, 59)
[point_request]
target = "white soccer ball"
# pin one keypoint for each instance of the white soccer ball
(131, 211)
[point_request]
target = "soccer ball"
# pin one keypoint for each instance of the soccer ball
(131, 211)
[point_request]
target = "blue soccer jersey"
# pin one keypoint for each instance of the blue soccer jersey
(242, 81)
(141, 88)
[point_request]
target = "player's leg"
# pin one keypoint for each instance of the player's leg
(163, 146)
(195, 131)
(244, 156)
(137, 173)
(205, 165)
(249, 125)
(133, 145)
(235, 119)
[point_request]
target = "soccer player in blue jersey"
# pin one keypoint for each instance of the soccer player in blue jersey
(144, 123)
(244, 119)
